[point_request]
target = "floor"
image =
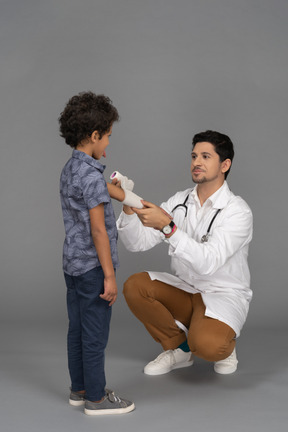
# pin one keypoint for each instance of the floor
(34, 386)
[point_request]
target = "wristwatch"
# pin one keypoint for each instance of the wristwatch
(168, 229)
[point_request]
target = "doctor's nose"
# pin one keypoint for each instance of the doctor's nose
(196, 161)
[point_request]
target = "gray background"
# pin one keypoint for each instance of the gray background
(172, 69)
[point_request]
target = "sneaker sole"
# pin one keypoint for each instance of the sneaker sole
(76, 403)
(226, 371)
(164, 371)
(110, 411)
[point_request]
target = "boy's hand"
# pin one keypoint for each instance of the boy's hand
(126, 183)
(116, 182)
(110, 290)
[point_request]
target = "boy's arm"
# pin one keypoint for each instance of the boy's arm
(127, 197)
(102, 245)
(117, 193)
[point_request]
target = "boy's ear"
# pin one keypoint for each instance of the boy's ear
(95, 136)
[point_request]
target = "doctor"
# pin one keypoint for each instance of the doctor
(200, 308)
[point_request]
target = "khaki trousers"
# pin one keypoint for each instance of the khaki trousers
(157, 305)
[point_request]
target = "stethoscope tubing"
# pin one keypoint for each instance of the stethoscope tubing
(204, 238)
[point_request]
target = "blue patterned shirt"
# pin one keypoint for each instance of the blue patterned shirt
(83, 187)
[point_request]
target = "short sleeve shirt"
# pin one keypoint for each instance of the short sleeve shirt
(83, 187)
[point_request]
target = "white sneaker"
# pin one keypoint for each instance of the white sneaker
(168, 360)
(228, 365)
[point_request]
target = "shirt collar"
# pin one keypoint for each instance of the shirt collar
(218, 200)
(88, 159)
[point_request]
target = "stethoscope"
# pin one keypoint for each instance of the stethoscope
(205, 237)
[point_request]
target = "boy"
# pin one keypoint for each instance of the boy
(90, 250)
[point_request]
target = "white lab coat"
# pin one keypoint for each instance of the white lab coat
(218, 269)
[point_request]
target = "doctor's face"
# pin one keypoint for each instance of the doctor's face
(206, 165)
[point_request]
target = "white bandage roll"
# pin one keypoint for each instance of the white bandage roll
(132, 200)
(125, 182)
(117, 175)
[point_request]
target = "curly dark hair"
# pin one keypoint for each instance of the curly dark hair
(222, 144)
(84, 114)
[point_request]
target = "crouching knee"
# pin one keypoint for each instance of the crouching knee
(131, 289)
(128, 287)
(210, 348)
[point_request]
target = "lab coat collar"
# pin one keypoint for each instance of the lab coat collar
(218, 200)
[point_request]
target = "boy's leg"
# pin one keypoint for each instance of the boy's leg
(209, 338)
(74, 339)
(157, 305)
(95, 319)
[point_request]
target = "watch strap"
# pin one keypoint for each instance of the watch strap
(173, 229)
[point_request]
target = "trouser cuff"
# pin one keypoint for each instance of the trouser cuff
(174, 342)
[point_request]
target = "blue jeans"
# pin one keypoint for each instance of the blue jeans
(89, 321)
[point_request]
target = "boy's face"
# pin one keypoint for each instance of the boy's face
(100, 145)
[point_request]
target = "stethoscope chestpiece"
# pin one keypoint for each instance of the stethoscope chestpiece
(204, 238)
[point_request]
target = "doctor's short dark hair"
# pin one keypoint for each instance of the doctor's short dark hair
(222, 144)
(85, 113)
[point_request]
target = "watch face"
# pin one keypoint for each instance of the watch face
(167, 229)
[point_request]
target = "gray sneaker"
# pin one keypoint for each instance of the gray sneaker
(111, 404)
(76, 399)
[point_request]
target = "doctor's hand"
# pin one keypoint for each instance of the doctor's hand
(152, 215)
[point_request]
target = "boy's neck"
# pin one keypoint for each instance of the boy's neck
(84, 150)
(85, 147)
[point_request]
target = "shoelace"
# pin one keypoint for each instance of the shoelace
(113, 398)
(163, 354)
(229, 359)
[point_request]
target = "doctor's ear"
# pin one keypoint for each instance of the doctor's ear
(226, 165)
